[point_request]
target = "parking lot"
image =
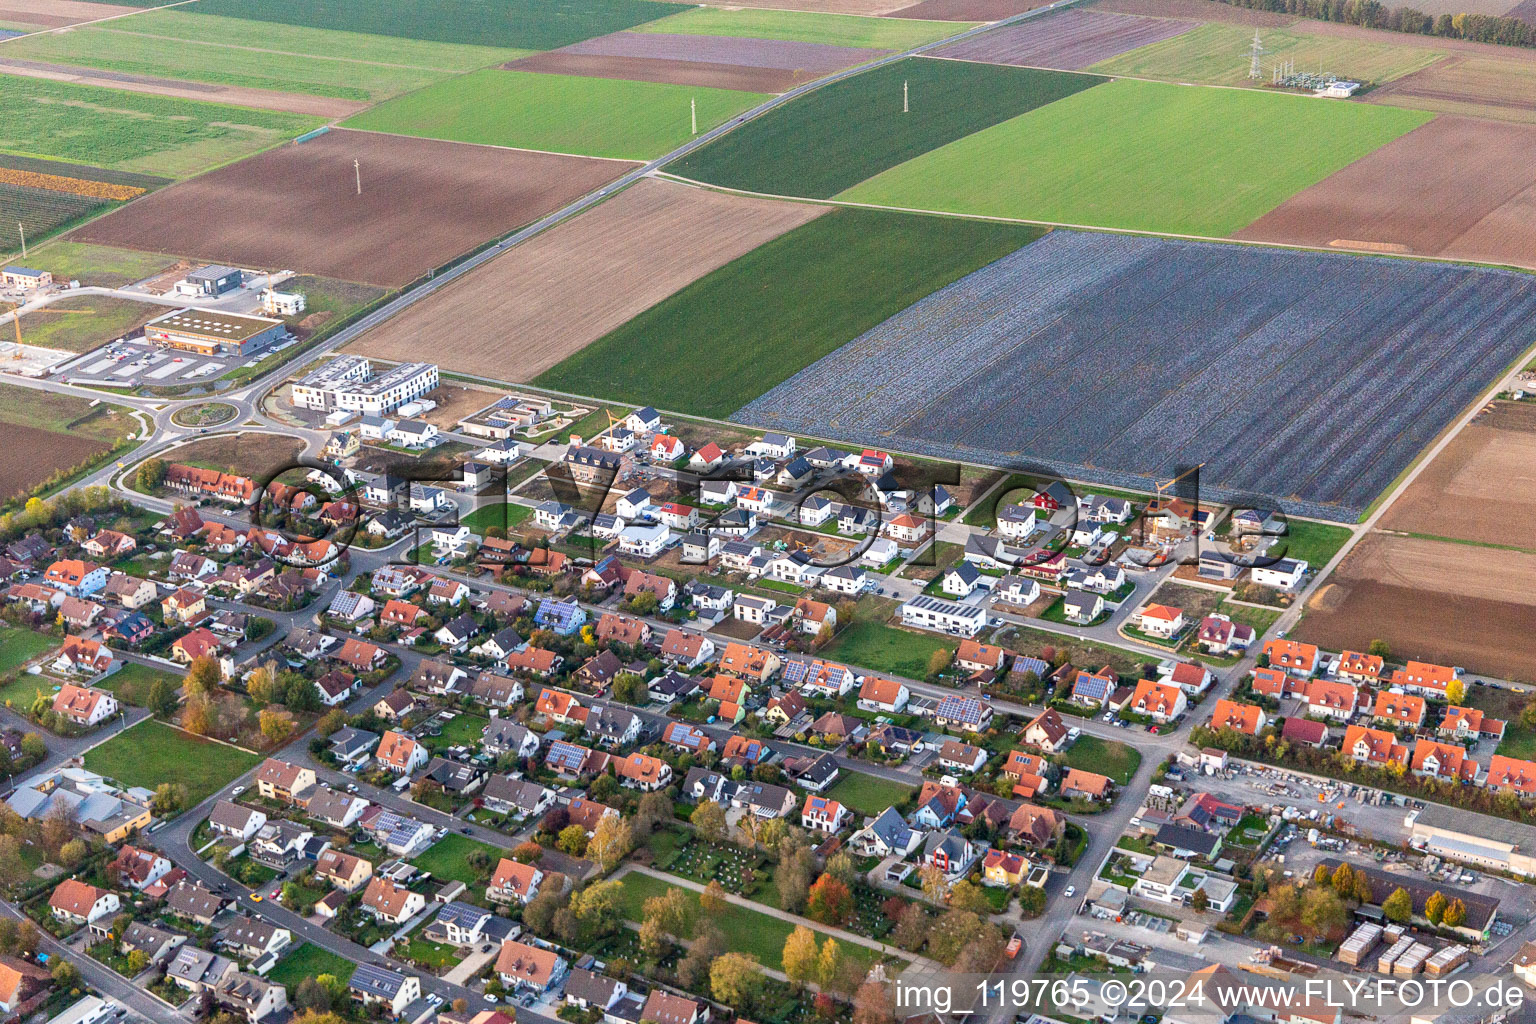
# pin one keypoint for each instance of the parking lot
(1263, 786)
(128, 364)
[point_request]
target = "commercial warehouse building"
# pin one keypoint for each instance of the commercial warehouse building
(348, 383)
(1476, 839)
(211, 334)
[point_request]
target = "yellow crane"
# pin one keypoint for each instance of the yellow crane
(16, 319)
(1169, 483)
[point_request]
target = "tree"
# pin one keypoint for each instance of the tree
(276, 726)
(830, 901)
(203, 678)
(27, 938)
(527, 852)
(1380, 649)
(655, 810)
(150, 474)
(1455, 691)
(1322, 911)
(162, 698)
(611, 841)
(800, 956)
(1343, 880)
(138, 962)
(842, 867)
(967, 895)
(1398, 907)
(712, 900)
(603, 789)
(65, 974)
(539, 914)
(573, 840)
(33, 748)
(263, 685)
(312, 996)
(708, 943)
(13, 871)
(1434, 907)
(736, 979)
(197, 719)
(597, 908)
(57, 829)
(827, 963)
(935, 885)
(1031, 901)
(709, 820)
(653, 940)
(938, 661)
(1199, 902)
(72, 853)
(911, 928)
(1362, 888)
(873, 1004)
(7, 937)
(170, 798)
(1455, 914)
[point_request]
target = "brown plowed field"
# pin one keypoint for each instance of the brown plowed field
(825, 6)
(262, 99)
(1453, 187)
(31, 455)
(541, 301)
(1070, 40)
(423, 203)
(1197, 10)
(1482, 487)
(57, 13)
(1454, 604)
(676, 72)
(752, 53)
(967, 10)
(1381, 35)
(1470, 84)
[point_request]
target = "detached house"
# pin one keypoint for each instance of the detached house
(75, 902)
(400, 753)
(279, 780)
(885, 695)
(513, 882)
(390, 902)
(821, 814)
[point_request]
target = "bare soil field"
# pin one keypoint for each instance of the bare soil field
(31, 455)
(256, 455)
(1381, 35)
(423, 203)
(967, 10)
(1460, 187)
(1469, 84)
(1454, 604)
(676, 72)
(1198, 10)
(570, 286)
(1070, 40)
(1482, 487)
(58, 13)
(262, 99)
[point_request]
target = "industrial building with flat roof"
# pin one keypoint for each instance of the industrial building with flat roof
(1479, 839)
(209, 333)
(348, 383)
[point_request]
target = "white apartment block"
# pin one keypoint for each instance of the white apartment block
(348, 383)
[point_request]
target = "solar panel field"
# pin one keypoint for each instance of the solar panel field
(1311, 379)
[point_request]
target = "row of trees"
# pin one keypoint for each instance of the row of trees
(1482, 28)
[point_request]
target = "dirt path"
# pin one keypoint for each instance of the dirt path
(262, 99)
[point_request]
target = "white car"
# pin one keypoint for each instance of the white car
(237, 791)
(1071, 891)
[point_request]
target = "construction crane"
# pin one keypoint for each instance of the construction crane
(1169, 483)
(16, 319)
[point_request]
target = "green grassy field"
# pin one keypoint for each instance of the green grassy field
(838, 135)
(65, 414)
(309, 961)
(557, 113)
(446, 858)
(503, 514)
(97, 266)
(1214, 54)
(881, 648)
(152, 752)
(133, 131)
(736, 332)
(746, 931)
(134, 53)
(1143, 155)
(806, 27)
(19, 646)
(867, 794)
(81, 324)
(1313, 543)
(131, 683)
(1117, 760)
(534, 24)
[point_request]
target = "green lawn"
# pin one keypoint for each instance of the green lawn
(746, 931)
(1313, 543)
(125, 47)
(97, 265)
(134, 131)
(806, 27)
(66, 414)
(881, 648)
(309, 961)
(1117, 760)
(867, 794)
(152, 752)
(837, 136)
(131, 683)
(84, 323)
(503, 514)
(558, 113)
(1215, 54)
(534, 24)
(1144, 155)
(739, 331)
(446, 858)
(19, 646)
(461, 730)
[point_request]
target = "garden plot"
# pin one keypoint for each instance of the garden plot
(1069, 40)
(1460, 187)
(1119, 359)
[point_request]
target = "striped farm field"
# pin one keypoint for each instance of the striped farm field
(740, 330)
(805, 27)
(1143, 155)
(557, 113)
(840, 134)
(46, 196)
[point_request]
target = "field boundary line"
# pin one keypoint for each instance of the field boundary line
(97, 21)
(1101, 229)
(638, 161)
